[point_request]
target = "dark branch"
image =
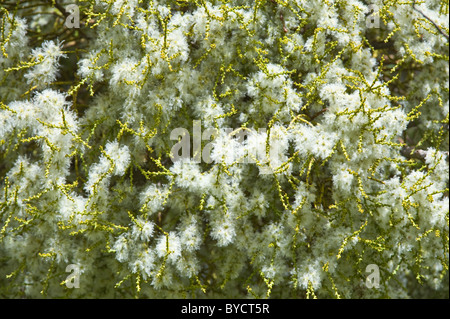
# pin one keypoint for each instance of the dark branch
(426, 17)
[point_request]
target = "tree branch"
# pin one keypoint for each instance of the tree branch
(432, 22)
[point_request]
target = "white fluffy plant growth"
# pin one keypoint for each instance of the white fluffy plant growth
(224, 149)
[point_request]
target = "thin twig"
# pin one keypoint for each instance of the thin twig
(426, 17)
